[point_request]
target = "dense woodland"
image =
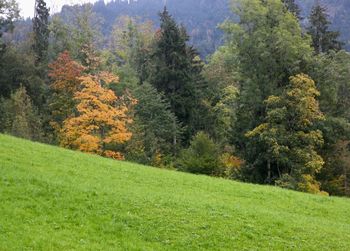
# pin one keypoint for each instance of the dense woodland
(269, 106)
(200, 17)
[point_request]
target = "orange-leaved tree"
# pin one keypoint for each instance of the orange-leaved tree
(101, 119)
(65, 74)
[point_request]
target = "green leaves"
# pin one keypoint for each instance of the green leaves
(288, 133)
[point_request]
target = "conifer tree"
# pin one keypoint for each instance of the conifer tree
(292, 7)
(323, 39)
(175, 71)
(154, 126)
(41, 30)
(85, 36)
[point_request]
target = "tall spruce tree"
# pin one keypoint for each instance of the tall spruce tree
(175, 71)
(323, 39)
(41, 30)
(292, 7)
(153, 129)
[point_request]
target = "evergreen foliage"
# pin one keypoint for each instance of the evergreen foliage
(175, 71)
(41, 30)
(202, 156)
(293, 7)
(155, 127)
(20, 118)
(323, 39)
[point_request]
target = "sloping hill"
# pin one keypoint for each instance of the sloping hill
(54, 199)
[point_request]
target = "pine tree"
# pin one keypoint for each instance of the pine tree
(41, 30)
(323, 39)
(131, 43)
(292, 7)
(154, 126)
(175, 71)
(85, 36)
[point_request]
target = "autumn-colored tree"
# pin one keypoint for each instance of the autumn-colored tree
(289, 136)
(65, 74)
(100, 123)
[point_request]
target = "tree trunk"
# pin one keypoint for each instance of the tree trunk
(346, 185)
(174, 136)
(268, 171)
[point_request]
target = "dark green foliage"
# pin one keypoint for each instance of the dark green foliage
(292, 7)
(270, 47)
(155, 127)
(41, 30)
(60, 38)
(171, 65)
(323, 39)
(332, 73)
(222, 94)
(175, 71)
(334, 176)
(202, 156)
(131, 42)
(20, 118)
(18, 68)
(290, 138)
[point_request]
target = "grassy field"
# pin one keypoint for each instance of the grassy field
(54, 199)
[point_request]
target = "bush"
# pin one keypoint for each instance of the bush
(202, 157)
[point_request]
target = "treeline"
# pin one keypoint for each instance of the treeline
(271, 106)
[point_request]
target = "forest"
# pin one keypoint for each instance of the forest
(259, 92)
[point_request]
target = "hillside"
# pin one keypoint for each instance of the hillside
(55, 199)
(202, 17)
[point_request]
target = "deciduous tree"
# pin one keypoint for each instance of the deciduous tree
(270, 47)
(289, 136)
(65, 74)
(99, 125)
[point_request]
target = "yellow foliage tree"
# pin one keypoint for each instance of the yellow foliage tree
(100, 121)
(64, 73)
(290, 138)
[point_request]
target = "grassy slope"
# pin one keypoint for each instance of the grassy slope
(54, 199)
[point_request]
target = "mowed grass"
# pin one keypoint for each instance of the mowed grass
(55, 199)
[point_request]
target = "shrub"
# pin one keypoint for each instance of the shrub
(202, 157)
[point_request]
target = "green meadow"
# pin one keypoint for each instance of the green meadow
(56, 199)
